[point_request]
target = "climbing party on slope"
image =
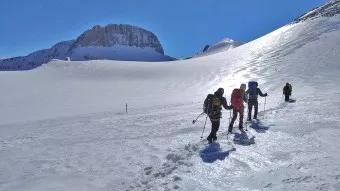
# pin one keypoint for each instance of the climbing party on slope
(213, 104)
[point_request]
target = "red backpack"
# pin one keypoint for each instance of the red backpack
(236, 99)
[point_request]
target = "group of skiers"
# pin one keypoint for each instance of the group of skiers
(214, 102)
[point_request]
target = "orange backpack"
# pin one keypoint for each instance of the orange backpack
(236, 99)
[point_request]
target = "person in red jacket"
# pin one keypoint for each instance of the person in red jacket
(237, 98)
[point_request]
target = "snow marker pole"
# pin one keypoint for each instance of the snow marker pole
(194, 121)
(264, 106)
(246, 119)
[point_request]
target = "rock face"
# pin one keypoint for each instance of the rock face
(330, 9)
(119, 34)
(112, 42)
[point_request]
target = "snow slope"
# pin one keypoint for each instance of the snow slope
(64, 126)
(118, 52)
(221, 46)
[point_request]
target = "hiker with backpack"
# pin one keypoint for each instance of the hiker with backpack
(287, 91)
(212, 107)
(237, 98)
(253, 92)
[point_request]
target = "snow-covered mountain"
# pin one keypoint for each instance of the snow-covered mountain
(35, 59)
(112, 42)
(64, 126)
(221, 46)
(328, 10)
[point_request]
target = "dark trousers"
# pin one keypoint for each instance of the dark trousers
(286, 97)
(235, 112)
(215, 125)
(252, 103)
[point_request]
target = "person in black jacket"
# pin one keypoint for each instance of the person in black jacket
(215, 114)
(287, 91)
(252, 100)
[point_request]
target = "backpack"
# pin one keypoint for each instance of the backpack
(252, 88)
(211, 103)
(287, 89)
(236, 99)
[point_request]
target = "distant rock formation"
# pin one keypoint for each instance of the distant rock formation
(112, 42)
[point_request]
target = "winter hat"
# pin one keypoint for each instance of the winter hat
(243, 86)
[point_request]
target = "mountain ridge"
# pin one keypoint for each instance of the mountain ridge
(112, 42)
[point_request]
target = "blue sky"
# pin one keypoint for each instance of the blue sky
(184, 27)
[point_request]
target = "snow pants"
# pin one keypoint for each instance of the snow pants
(215, 125)
(251, 103)
(235, 112)
(286, 97)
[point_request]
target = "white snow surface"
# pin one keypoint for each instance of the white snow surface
(64, 126)
(117, 52)
(221, 46)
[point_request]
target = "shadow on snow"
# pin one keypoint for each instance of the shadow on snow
(258, 126)
(213, 152)
(292, 101)
(243, 139)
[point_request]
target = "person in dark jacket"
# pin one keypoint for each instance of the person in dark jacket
(287, 91)
(252, 101)
(215, 115)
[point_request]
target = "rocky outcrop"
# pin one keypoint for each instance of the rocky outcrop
(330, 9)
(114, 34)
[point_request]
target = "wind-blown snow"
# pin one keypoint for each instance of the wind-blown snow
(64, 126)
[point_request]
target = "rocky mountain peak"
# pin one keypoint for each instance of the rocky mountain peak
(119, 34)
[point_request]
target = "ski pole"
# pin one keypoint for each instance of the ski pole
(194, 121)
(204, 126)
(229, 116)
(205, 121)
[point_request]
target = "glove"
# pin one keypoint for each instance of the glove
(230, 107)
(265, 94)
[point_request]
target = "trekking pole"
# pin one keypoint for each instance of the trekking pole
(264, 106)
(204, 126)
(205, 121)
(229, 116)
(194, 121)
